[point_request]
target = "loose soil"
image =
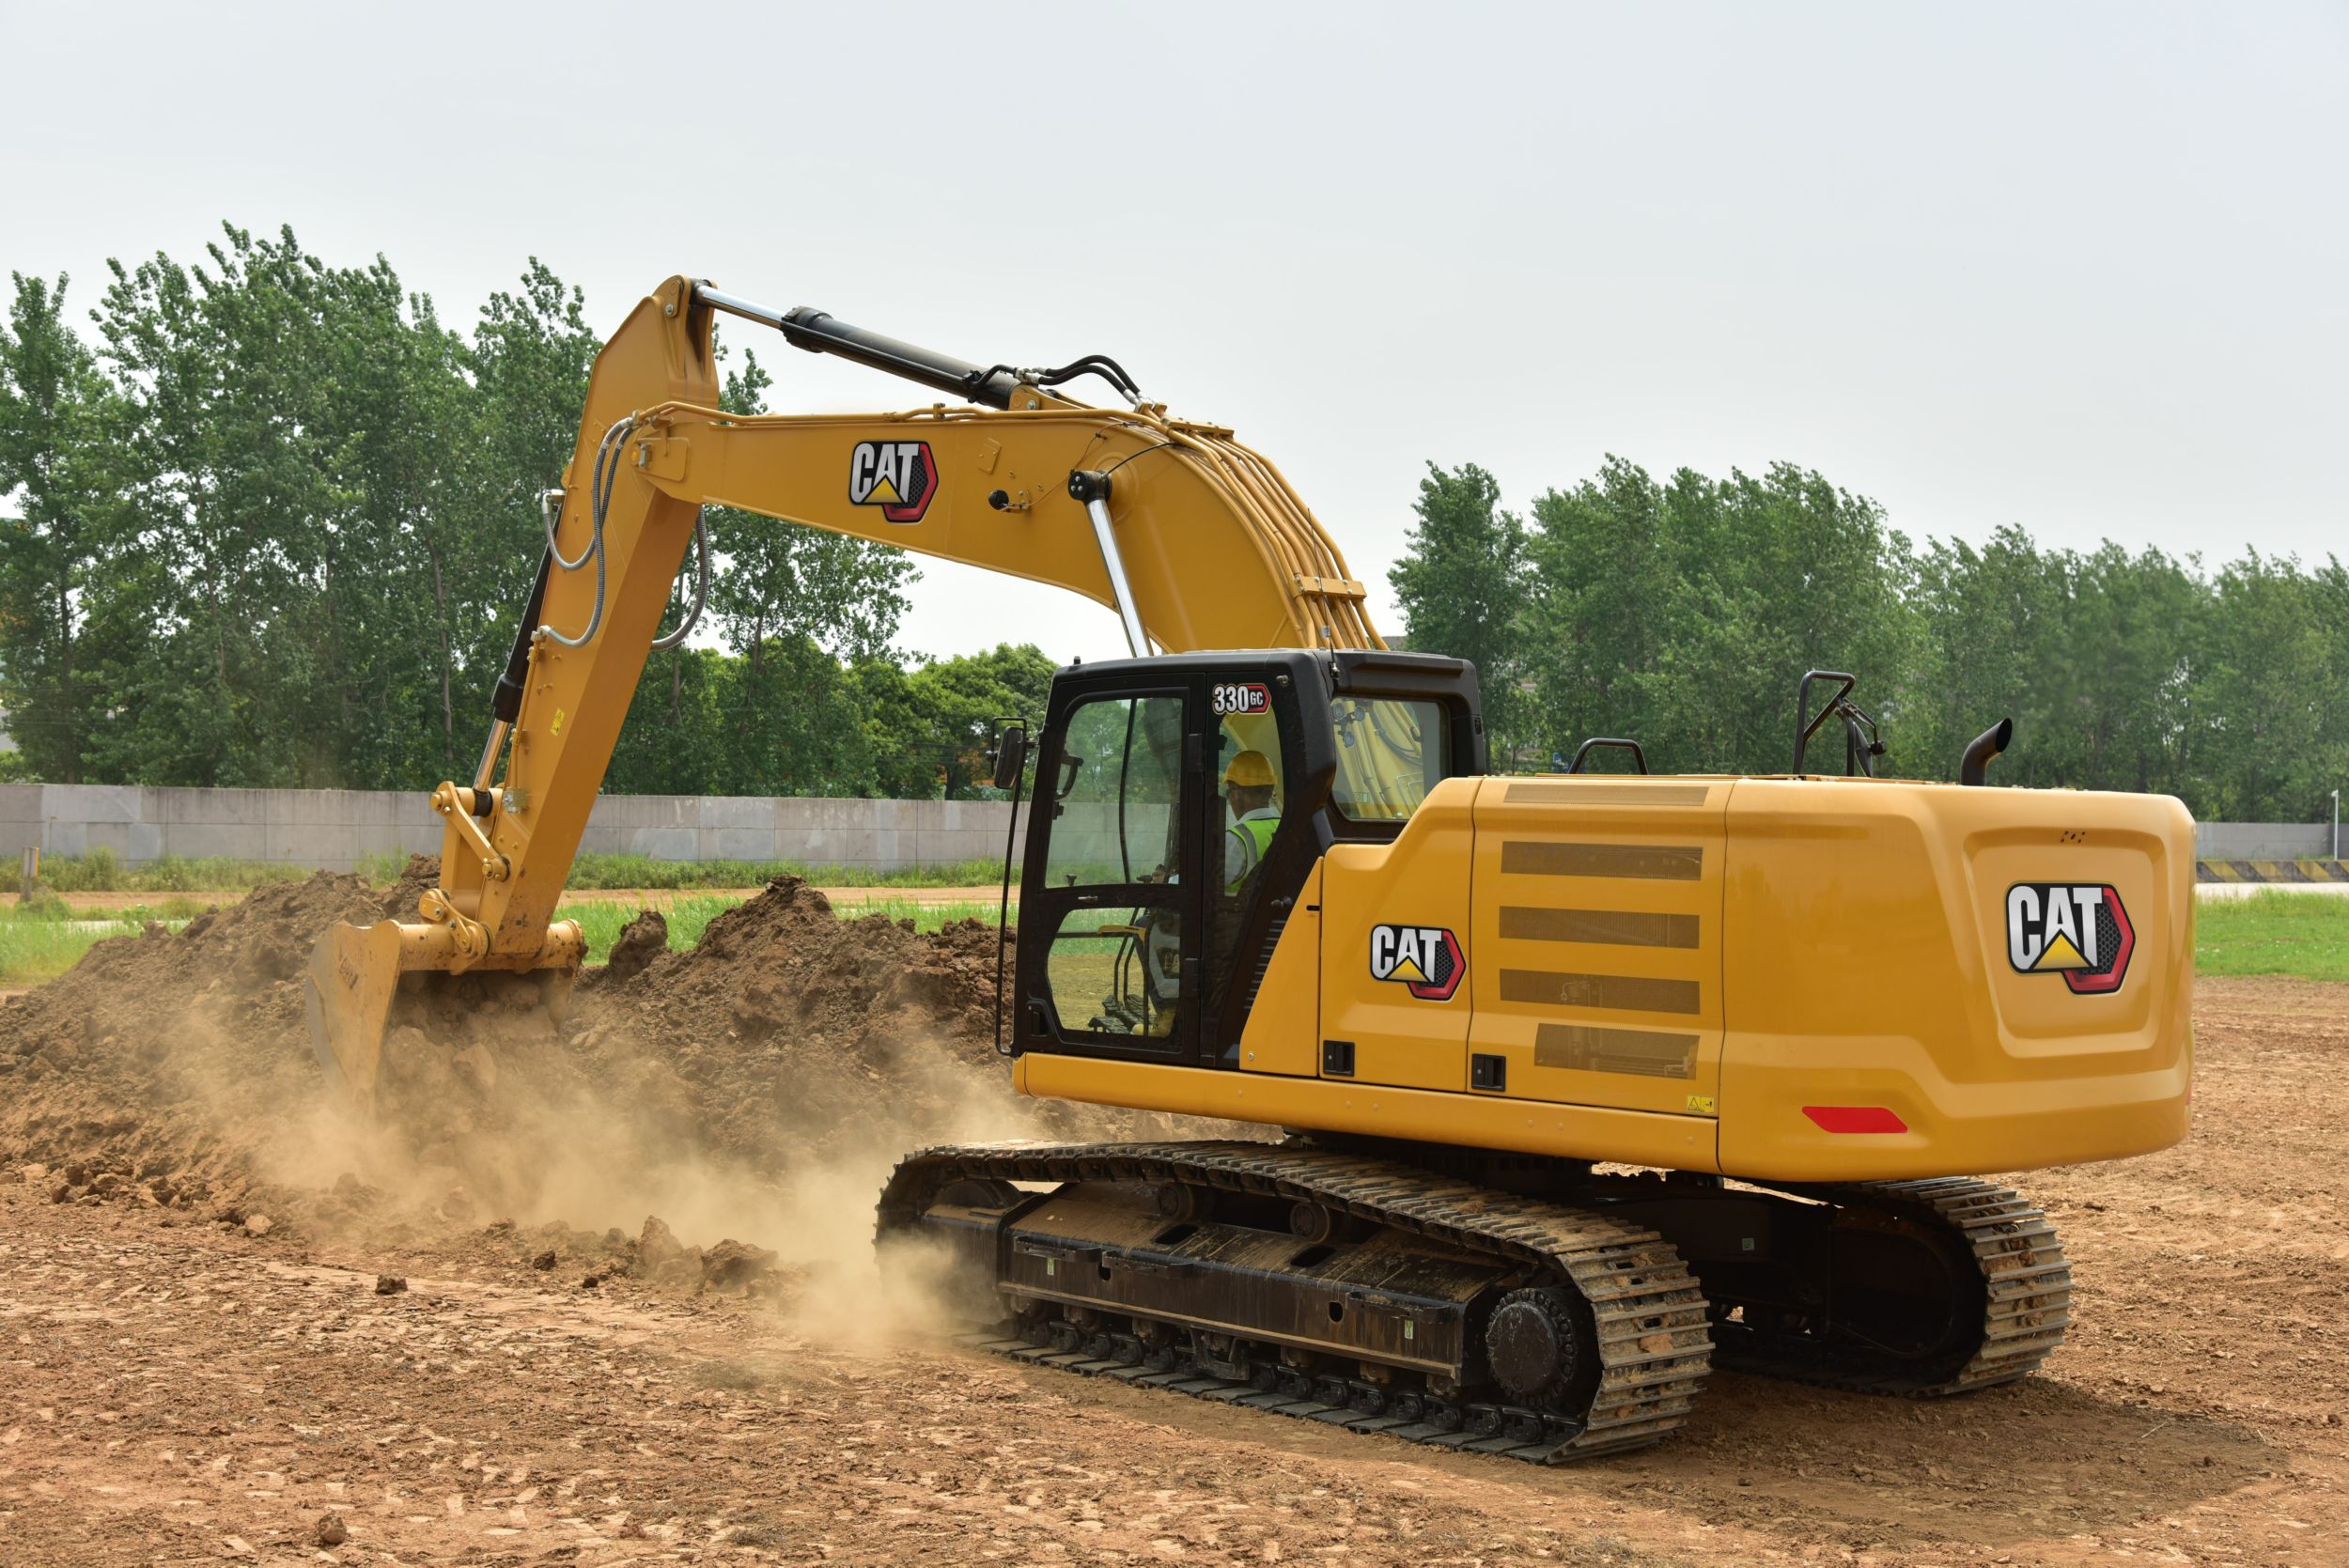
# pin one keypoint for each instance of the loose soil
(225, 1317)
(788, 1036)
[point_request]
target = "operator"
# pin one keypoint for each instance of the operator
(1248, 786)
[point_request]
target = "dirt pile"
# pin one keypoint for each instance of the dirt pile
(159, 1056)
(788, 1043)
(788, 1030)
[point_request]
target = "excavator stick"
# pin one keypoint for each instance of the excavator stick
(355, 977)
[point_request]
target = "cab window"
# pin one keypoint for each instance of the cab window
(1114, 807)
(1115, 961)
(1250, 793)
(1390, 752)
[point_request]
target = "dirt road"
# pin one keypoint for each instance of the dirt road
(173, 1390)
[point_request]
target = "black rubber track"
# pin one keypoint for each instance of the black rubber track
(2026, 1293)
(1653, 1342)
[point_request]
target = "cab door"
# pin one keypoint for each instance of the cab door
(1109, 931)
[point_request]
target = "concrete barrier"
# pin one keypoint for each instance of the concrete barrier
(333, 828)
(2263, 841)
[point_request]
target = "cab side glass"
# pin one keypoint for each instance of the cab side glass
(1120, 784)
(1391, 753)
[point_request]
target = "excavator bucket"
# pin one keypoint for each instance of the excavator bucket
(346, 993)
(354, 982)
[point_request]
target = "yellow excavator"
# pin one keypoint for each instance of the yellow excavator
(1584, 1083)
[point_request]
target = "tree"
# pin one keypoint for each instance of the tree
(1777, 574)
(2268, 692)
(1459, 585)
(1684, 616)
(528, 362)
(1993, 623)
(53, 408)
(927, 729)
(1601, 587)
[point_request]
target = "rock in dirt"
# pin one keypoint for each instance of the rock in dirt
(658, 1246)
(258, 1224)
(331, 1531)
(390, 1284)
(641, 941)
(544, 1261)
(735, 1265)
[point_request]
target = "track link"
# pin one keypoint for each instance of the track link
(2026, 1280)
(1651, 1319)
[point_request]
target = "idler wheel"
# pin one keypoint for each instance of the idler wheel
(1534, 1345)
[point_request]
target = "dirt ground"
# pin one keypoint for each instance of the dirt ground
(190, 1378)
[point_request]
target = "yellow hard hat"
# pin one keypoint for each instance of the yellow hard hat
(1249, 771)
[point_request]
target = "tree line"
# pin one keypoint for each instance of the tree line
(1683, 613)
(275, 520)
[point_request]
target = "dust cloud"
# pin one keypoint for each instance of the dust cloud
(725, 1117)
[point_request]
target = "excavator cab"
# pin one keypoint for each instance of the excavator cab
(1158, 882)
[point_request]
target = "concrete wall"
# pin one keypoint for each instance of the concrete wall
(334, 827)
(2262, 841)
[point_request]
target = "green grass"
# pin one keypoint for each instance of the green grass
(642, 871)
(601, 872)
(2305, 935)
(32, 951)
(102, 871)
(41, 939)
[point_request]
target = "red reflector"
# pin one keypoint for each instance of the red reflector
(1855, 1118)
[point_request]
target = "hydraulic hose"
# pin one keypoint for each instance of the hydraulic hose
(701, 585)
(607, 474)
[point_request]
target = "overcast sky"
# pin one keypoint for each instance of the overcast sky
(2080, 268)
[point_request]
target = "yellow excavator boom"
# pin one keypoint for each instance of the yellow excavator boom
(1194, 540)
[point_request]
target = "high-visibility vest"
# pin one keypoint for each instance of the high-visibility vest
(1256, 833)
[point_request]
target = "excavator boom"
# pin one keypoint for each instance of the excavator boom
(1194, 540)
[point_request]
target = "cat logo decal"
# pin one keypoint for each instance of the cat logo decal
(898, 477)
(2075, 929)
(1424, 960)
